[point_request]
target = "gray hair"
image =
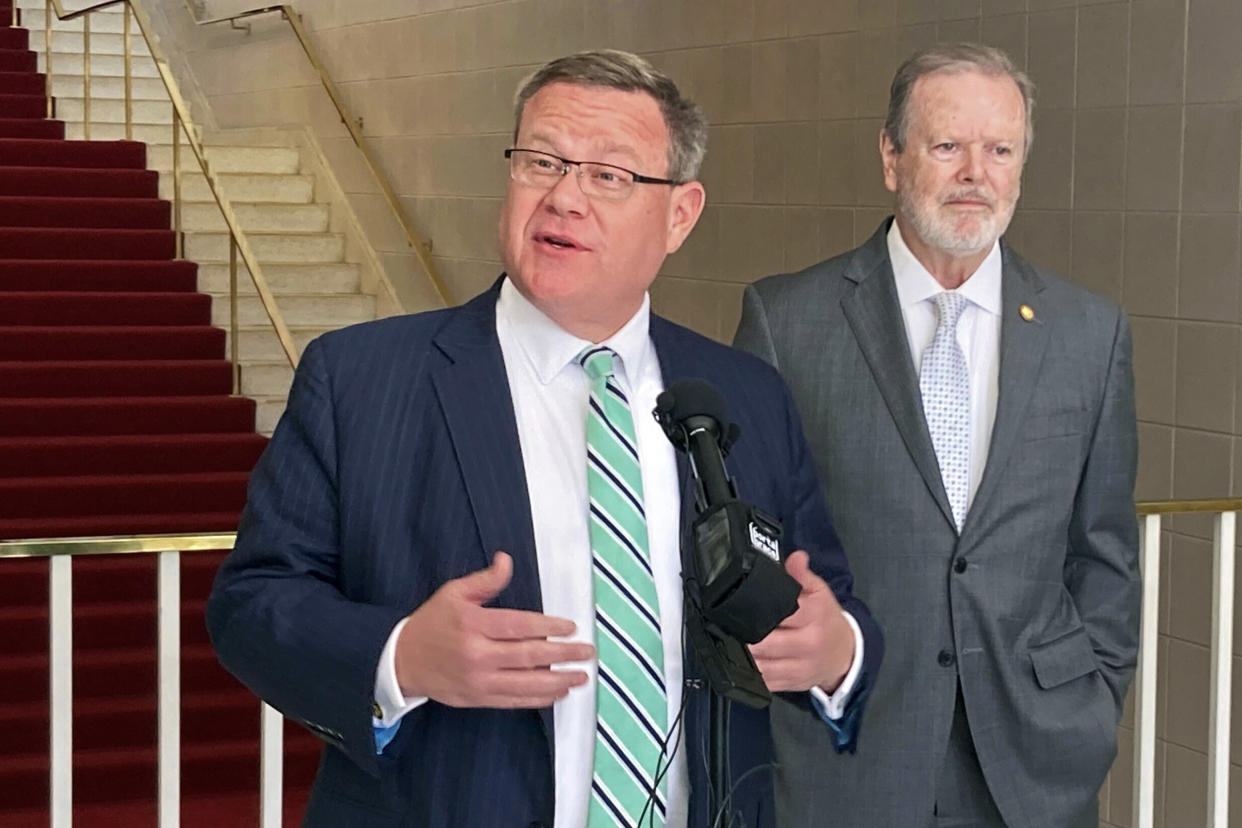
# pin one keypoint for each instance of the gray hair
(953, 58)
(613, 69)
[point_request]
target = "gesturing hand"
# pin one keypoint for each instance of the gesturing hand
(460, 653)
(814, 647)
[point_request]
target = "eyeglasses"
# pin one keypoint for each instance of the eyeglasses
(543, 171)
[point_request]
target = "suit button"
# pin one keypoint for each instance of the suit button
(959, 566)
(945, 659)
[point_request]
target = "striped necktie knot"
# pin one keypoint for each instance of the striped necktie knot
(597, 361)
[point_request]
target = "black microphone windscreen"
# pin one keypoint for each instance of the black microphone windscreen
(696, 398)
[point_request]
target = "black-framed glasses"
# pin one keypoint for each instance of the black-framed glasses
(543, 170)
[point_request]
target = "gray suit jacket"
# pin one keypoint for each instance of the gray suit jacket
(1034, 608)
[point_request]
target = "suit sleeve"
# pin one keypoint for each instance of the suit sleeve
(753, 333)
(276, 616)
(811, 529)
(1102, 567)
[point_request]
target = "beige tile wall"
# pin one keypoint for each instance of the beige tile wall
(1133, 190)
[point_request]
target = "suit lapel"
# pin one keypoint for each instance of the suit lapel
(874, 313)
(473, 389)
(1022, 352)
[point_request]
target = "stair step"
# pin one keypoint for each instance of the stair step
(66, 182)
(258, 343)
(80, 275)
(69, 62)
(125, 415)
(268, 411)
(341, 277)
(266, 379)
(104, 20)
(23, 83)
(87, 342)
(112, 111)
(313, 310)
(130, 773)
(129, 454)
(146, 133)
(70, 43)
(108, 87)
(130, 721)
(76, 154)
(122, 494)
(12, 60)
(105, 578)
(127, 378)
(102, 674)
(62, 242)
(118, 524)
(83, 212)
(197, 217)
(96, 308)
(241, 188)
(11, 38)
(23, 106)
(283, 248)
(98, 626)
(224, 159)
(32, 128)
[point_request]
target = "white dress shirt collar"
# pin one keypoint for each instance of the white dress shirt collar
(915, 284)
(549, 348)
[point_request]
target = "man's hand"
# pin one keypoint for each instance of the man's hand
(460, 653)
(814, 647)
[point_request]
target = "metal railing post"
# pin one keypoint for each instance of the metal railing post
(271, 766)
(129, 76)
(1144, 789)
(47, 56)
(1222, 670)
(60, 688)
(86, 77)
(168, 599)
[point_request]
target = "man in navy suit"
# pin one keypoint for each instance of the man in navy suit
(414, 572)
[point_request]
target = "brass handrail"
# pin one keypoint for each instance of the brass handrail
(238, 243)
(116, 545)
(198, 541)
(1173, 507)
(421, 247)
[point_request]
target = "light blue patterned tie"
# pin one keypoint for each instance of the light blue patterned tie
(945, 382)
(631, 701)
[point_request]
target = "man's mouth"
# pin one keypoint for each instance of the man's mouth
(559, 242)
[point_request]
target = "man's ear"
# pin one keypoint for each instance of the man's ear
(888, 159)
(684, 210)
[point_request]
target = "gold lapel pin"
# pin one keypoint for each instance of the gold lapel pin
(1027, 313)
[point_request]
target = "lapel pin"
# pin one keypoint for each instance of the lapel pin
(1027, 313)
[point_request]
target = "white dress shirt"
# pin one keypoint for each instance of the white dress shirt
(550, 393)
(978, 334)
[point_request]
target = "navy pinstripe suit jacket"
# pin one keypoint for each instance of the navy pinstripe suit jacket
(397, 467)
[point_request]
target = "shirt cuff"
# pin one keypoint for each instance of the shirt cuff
(833, 706)
(390, 703)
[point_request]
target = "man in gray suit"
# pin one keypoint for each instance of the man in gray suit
(972, 418)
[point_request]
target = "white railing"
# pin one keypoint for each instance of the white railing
(1223, 546)
(168, 549)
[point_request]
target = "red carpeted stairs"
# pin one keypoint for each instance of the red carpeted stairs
(115, 418)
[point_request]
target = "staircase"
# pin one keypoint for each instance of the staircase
(291, 232)
(116, 418)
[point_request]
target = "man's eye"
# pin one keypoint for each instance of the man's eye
(946, 146)
(606, 177)
(1004, 150)
(543, 164)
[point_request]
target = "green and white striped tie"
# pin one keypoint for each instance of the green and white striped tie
(631, 702)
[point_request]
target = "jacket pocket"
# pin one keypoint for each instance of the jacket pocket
(1063, 659)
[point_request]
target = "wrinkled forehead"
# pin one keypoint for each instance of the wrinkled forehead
(573, 117)
(968, 101)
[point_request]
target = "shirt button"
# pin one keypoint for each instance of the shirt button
(959, 566)
(945, 658)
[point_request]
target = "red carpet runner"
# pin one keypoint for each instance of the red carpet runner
(115, 418)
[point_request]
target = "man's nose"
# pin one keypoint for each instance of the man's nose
(972, 165)
(566, 196)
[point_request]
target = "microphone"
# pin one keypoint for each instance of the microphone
(736, 589)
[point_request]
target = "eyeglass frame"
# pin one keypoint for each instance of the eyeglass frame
(566, 163)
